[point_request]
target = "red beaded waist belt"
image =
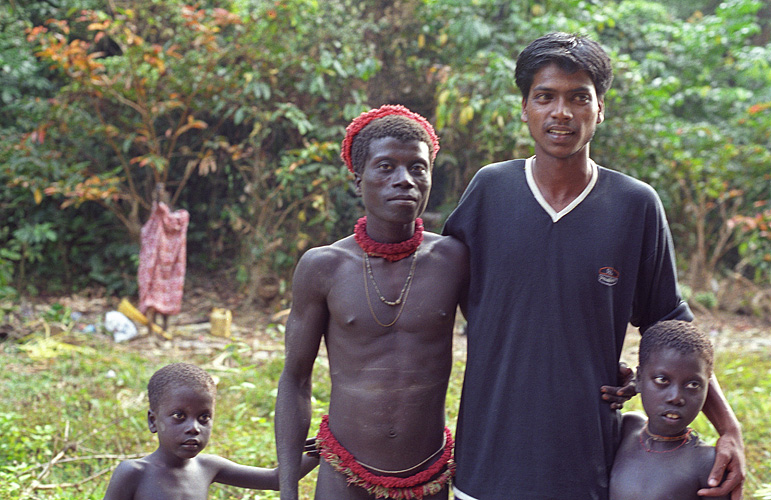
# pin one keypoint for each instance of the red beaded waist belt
(424, 483)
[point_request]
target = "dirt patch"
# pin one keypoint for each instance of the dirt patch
(729, 333)
(259, 326)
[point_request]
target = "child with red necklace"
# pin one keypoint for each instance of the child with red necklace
(384, 301)
(659, 456)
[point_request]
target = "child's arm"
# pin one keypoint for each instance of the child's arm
(309, 462)
(124, 481)
(256, 478)
(242, 476)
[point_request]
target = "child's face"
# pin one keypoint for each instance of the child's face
(673, 387)
(183, 421)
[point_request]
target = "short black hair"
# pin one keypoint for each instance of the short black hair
(178, 374)
(681, 336)
(571, 53)
(396, 126)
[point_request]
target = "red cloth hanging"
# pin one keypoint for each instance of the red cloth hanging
(162, 260)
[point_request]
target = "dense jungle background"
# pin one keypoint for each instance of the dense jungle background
(239, 107)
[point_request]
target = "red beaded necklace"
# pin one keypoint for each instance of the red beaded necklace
(685, 437)
(389, 251)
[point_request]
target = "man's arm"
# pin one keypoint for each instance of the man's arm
(729, 457)
(305, 327)
(455, 254)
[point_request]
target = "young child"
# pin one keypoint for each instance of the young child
(660, 457)
(182, 412)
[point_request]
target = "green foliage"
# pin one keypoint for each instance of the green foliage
(755, 248)
(7, 265)
(43, 247)
(677, 115)
(746, 382)
(135, 88)
(310, 179)
(22, 77)
(190, 95)
(764, 493)
(754, 224)
(706, 299)
(478, 104)
(102, 104)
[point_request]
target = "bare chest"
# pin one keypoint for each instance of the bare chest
(413, 295)
(641, 475)
(191, 483)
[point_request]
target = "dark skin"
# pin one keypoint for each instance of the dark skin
(388, 383)
(562, 111)
(673, 388)
(176, 470)
(641, 475)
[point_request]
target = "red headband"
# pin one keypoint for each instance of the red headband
(364, 119)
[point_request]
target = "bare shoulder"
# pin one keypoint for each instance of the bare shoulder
(212, 463)
(125, 479)
(632, 422)
(447, 247)
(131, 469)
(319, 264)
(328, 257)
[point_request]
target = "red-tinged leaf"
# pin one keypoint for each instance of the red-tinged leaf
(758, 108)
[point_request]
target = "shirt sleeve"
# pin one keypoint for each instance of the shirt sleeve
(658, 296)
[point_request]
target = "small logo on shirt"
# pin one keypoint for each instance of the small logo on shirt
(608, 276)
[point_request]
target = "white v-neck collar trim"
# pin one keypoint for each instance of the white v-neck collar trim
(555, 216)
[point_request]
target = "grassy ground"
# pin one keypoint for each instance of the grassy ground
(74, 405)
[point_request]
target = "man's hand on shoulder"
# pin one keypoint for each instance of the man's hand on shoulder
(728, 472)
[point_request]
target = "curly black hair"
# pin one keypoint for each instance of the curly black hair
(396, 126)
(571, 53)
(177, 374)
(681, 336)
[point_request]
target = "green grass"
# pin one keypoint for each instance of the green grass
(86, 408)
(91, 404)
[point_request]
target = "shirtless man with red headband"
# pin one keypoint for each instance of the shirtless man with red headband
(387, 325)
